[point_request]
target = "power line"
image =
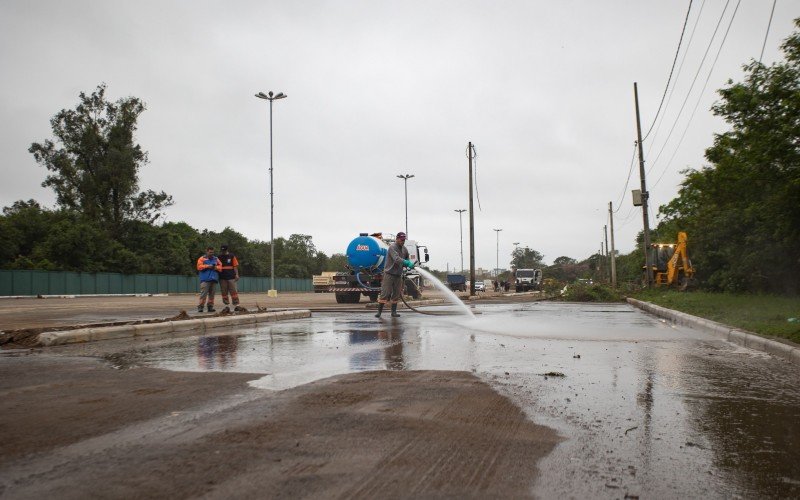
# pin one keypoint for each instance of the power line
(680, 68)
(628, 217)
(669, 78)
(767, 34)
(477, 193)
(699, 97)
(630, 171)
(691, 87)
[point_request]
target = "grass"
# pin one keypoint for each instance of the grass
(580, 292)
(766, 315)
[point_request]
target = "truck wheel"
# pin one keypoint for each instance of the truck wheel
(373, 297)
(516, 289)
(341, 298)
(355, 297)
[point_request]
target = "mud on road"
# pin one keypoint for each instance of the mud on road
(77, 427)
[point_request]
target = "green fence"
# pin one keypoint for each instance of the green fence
(14, 283)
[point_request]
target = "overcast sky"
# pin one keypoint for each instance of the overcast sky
(375, 89)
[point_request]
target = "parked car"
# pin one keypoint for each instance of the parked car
(480, 286)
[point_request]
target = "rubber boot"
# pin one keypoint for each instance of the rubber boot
(211, 308)
(200, 308)
(394, 311)
(380, 310)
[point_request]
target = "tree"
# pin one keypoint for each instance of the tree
(564, 261)
(526, 258)
(94, 161)
(741, 212)
(564, 269)
(337, 262)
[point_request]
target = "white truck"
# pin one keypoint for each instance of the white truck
(527, 280)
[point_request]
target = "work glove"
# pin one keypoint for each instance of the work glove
(408, 264)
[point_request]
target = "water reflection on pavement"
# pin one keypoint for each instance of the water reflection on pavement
(646, 408)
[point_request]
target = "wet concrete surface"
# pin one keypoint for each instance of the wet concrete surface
(646, 409)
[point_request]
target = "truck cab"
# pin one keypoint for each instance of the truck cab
(413, 284)
(527, 280)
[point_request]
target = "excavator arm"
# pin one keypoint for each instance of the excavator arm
(679, 262)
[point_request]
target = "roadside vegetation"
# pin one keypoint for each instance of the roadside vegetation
(580, 292)
(768, 315)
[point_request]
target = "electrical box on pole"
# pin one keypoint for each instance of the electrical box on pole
(637, 197)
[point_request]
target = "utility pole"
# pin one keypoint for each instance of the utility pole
(471, 227)
(613, 256)
(645, 194)
(461, 237)
(600, 262)
(605, 233)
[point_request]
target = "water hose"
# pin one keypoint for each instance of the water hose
(430, 313)
(368, 288)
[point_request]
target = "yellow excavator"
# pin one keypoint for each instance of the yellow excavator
(670, 263)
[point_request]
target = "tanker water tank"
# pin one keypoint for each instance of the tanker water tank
(366, 253)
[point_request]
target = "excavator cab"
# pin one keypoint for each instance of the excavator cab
(670, 263)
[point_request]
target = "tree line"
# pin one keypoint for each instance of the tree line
(34, 237)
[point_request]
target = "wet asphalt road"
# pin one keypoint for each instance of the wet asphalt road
(646, 409)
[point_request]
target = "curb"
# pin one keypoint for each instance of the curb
(737, 336)
(47, 339)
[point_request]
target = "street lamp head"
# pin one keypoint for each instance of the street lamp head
(270, 96)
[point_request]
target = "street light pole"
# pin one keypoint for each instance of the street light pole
(405, 178)
(461, 232)
(497, 269)
(269, 96)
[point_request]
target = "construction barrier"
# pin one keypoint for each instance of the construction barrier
(26, 283)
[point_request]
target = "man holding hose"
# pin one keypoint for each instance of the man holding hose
(392, 283)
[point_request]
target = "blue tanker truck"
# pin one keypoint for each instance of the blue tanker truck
(366, 255)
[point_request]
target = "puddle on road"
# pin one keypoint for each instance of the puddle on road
(648, 408)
